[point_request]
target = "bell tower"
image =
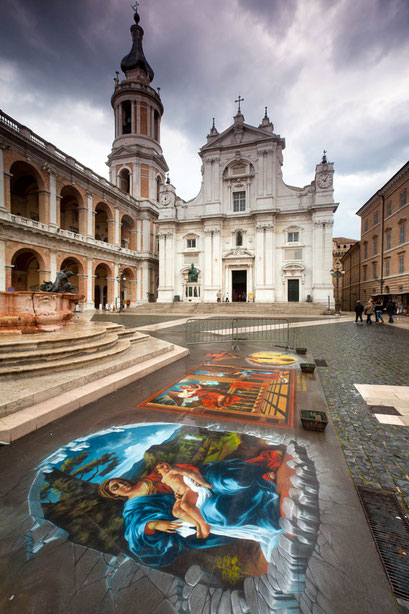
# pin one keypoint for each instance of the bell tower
(136, 162)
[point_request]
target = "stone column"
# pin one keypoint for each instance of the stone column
(117, 284)
(134, 180)
(7, 193)
(259, 262)
(111, 232)
(90, 217)
(83, 220)
(53, 265)
(146, 231)
(53, 200)
(207, 272)
(117, 226)
(44, 206)
(58, 210)
(2, 199)
(90, 286)
(2, 265)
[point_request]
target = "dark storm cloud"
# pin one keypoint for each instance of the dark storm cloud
(61, 47)
(370, 30)
(273, 14)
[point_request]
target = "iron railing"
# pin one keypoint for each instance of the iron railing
(271, 331)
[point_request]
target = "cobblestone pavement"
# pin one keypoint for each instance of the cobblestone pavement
(377, 454)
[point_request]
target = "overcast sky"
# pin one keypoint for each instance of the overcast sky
(333, 73)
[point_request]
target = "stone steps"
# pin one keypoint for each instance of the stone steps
(51, 354)
(49, 397)
(64, 363)
(232, 309)
(72, 336)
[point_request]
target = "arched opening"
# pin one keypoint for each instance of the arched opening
(25, 274)
(239, 239)
(156, 126)
(125, 180)
(102, 215)
(127, 236)
(158, 184)
(24, 191)
(73, 265)
(128, 288)
(126, 117)
(69, 208)
(101, 286)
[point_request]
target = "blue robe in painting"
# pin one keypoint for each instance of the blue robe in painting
(241, 500)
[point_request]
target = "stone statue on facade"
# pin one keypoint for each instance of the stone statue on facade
(61, 283)
(193, 274)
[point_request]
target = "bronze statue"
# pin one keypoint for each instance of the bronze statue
(193, 274)
(61, 283)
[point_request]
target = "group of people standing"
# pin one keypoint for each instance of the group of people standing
(374, 308)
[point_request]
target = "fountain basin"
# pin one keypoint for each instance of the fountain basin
(36, 312)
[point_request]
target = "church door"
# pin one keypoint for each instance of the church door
(293, 290)
(239, 286)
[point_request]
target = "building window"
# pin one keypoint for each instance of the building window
(126, 117)
(365, 250)
(366, 226)
(191, 243)
(365, 273)
(403, 198)
(239, 201)
(387, 273)
(388, 240)
(388, 209)
(375, 218)
(374, 275)
(293, 237)
(400, 264)
(402, 234)
(239, 239)
(375, 246)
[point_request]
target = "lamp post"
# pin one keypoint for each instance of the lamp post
(337, 273)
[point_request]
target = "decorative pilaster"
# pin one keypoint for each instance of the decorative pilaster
(2, 268)
(2, 199)
(90, 229)
(53, 199)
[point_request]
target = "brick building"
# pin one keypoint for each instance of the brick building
(350, 262)
(385, 241)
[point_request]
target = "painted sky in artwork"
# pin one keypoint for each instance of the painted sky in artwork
(333, 74)
(127, 444)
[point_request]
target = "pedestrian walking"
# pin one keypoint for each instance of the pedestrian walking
(369, 311)
(378, 311)
(219, 296)
(226, 300)
(359, 308)
(390, 309)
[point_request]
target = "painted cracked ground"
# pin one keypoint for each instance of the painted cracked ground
(214, 510)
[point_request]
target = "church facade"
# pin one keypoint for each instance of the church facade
(249, 236)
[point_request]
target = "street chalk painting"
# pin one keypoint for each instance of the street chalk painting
(181, 499)
(229, 392)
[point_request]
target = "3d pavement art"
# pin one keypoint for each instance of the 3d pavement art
(227, 388)
(230, 518)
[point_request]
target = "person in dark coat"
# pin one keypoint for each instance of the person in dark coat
(359, 309)
(390, 309)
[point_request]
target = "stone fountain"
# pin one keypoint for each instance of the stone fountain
(39, 312)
